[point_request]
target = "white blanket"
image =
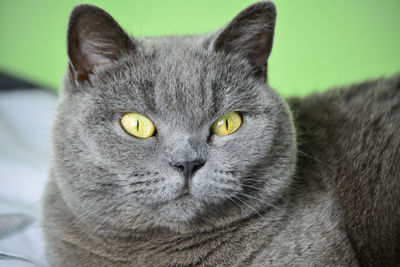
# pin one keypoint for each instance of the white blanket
(25, 158)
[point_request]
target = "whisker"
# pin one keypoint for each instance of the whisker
(314, 158)
(80, 218)
(255, 180)
(248, 205)
(253, 187)
(230, 198)
(260, 200)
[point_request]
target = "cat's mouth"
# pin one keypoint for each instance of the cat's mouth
(183, 195)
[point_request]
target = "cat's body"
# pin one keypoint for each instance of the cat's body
(263, 195)
(355, 134)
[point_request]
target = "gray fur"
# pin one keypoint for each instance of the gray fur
(114, 200)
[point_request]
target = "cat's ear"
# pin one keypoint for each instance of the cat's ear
(249, 34)
(94, 39)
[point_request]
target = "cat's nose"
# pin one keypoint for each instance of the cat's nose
(189, 167)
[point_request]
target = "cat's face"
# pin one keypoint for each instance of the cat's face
(115, 181)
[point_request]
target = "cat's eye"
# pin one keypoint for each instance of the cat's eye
(227, 124)
(137, 125)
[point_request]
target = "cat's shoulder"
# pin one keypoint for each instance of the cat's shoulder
(364, 113)
(378, 95)
(355, 132)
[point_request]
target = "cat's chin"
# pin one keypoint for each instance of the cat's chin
(185, 213)
(180, 214)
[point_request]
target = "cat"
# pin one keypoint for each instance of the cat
(175, 151)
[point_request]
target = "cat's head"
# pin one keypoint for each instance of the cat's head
(222, 147)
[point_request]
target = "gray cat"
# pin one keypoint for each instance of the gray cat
(174, 151)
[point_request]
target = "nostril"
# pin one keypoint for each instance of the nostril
(179, 166)
(197, 164)
(189, 167)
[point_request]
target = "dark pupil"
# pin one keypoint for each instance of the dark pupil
(226, 124)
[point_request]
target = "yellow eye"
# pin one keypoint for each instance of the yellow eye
(137, 125)
(227, 124)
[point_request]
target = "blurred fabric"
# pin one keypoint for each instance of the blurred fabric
(26, 115)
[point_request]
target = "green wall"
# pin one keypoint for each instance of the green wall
(318, 43)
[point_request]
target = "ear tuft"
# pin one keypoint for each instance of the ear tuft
(250, 34)
(94, 39)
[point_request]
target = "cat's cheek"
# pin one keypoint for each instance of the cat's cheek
(171, 188)
(198, 185)
(204, 189)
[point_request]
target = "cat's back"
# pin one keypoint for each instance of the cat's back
(352, 137)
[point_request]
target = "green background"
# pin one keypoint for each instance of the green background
(318, 43)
